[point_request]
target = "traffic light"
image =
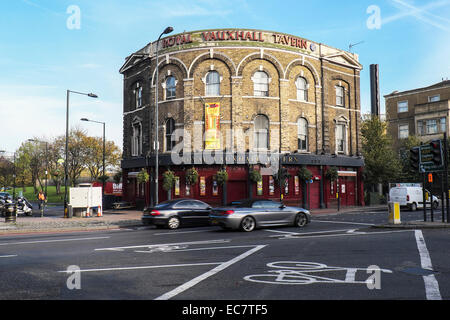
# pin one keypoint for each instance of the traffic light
(414, 158)
(436, 151)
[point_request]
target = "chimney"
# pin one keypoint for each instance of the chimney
(375, 89)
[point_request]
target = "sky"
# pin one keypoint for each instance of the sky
(50, 46)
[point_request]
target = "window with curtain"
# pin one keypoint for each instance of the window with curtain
(261, 132)
(302, 89)
(340, 100)
(136, 143)
(302, 125)
(213, 83)
(170, 128)
(341, 138)
(170, 88)
(403, 131)
(260, 84)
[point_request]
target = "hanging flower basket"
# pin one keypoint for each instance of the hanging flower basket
(255, 176)
(191, 176)
(142, 176)
(332, 174)
(304, 174)
(222, 177)
(168, 180)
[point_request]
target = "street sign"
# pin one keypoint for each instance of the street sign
(427, 159)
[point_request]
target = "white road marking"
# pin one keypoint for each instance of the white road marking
(342, 235)
(431, 284)
(277, 231)
(145, 267)
(162, 245)
(180, 232)
(9, 256)
(213, 248)
(208, 274)
(344, 222)
(49, 241)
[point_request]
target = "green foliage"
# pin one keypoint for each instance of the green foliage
(117, 177)
(304, 174)
(143, 176)
(103, 178)
(222, 176)
(255, 175)
(332, 174)
(168, 180)
(191, 176)
(381, 162)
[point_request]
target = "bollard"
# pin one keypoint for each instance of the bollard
(10, 213)
(394, 213)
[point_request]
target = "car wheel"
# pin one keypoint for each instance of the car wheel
(435, 205)
(413, 206)
(248, 224)
(301, 220)
(173, 223)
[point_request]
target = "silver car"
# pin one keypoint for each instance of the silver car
(254, 213)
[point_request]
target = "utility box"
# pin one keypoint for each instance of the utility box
(84, 200)
(394, 213)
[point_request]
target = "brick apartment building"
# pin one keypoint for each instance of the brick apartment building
(274, 92)
(423, 112)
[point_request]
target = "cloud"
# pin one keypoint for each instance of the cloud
(421, 13)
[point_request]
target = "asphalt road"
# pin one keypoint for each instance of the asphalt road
(331, 259)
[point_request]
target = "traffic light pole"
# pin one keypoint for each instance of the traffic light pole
(446, 192)
(424, 199)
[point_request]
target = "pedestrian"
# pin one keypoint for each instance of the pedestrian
(41, 198)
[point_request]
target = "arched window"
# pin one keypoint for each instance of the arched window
(136, 142)
(302, 89)
(260, 84)
(213, 83)
(170, 128)
(302, 127)
(261, 140)
(137, 98)
(170, 88)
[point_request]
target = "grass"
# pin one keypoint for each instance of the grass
(52, 197)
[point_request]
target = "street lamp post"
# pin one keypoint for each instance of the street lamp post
(166, 31)
(66, 172)
(104, 150)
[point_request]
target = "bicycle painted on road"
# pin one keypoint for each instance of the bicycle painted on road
(304, 273)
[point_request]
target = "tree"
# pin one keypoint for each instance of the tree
(6, 172)
(381, 163)
(408, 174)
(94, 160)
(78, 153)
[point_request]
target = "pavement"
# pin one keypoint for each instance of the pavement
(116, 219)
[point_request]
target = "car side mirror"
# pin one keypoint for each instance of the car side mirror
(282, 206)
(208, 208)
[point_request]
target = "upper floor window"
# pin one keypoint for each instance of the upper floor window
(260, 84)
(170, 128)
(403, 131)
(341, 138)
(137, 91)
(434, 98)
(213, 83)
(431, 126)
(261, 132)
(302, 89)
(302, 125)
(340, 100)
(402, 106)
(136, 140)
(170, 88)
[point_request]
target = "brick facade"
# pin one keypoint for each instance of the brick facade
(283, 58)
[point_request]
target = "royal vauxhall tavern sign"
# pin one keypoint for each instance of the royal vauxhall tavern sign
(239, 36)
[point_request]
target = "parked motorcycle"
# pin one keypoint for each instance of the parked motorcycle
(24, 206)
(4, 200)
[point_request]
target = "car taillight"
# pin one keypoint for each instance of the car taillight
(228, 212)
(407, 197)
(155, 213)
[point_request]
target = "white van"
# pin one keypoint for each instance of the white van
(410, 197)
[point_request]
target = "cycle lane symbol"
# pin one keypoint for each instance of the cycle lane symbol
(304, 273)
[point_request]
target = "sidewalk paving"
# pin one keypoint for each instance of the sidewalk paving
(115, 219)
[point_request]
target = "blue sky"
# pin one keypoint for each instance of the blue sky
(40, 57)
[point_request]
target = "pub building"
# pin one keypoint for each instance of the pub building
(227, 98)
